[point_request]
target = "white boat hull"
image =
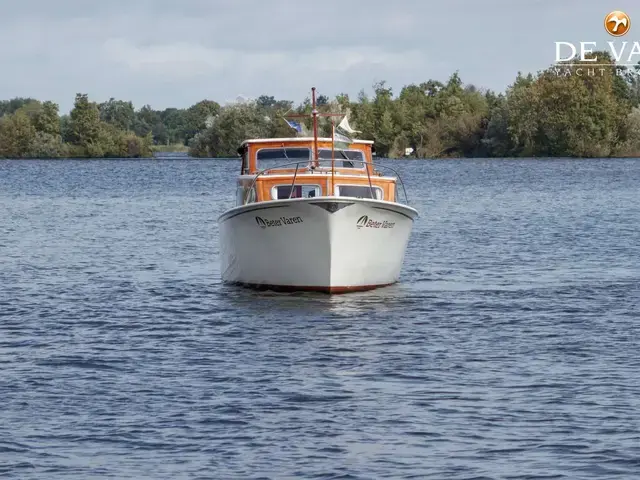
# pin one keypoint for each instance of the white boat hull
(321, 244)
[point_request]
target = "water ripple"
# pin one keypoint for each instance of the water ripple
(508, 350)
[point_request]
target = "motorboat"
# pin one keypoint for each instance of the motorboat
(316, 214)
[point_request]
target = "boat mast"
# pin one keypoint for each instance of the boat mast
(314, 112)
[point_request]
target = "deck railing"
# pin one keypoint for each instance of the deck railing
(317, 165)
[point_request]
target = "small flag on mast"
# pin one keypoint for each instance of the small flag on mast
(295, 125)
(341, 141)
(343, 134)
(344, 126)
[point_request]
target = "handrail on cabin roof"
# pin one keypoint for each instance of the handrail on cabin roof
(298, 139)
(309, 167)
(241, 149)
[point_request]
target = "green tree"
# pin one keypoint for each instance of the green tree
(174, 121)
(84, 123)
(16, 135)
(46, 145)
(47, 119)
(197, 116)
(234, 124)
(118, 113)
(7, 107)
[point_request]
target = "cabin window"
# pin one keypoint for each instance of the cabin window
(281, 192)
(358, 191)
(343, 158)
(275, 157)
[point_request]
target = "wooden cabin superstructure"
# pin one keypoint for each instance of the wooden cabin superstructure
(268, 168)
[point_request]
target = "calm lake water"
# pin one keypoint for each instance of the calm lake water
(510, 349)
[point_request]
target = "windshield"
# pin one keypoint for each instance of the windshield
(284, 191)
(359, 191)
(341, 161)
(273, 157)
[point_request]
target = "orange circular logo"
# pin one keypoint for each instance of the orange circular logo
(617, 23)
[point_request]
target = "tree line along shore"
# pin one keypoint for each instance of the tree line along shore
(564, 111)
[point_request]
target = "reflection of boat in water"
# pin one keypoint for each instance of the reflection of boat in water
(310, 216)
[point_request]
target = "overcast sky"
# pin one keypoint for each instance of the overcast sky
(173, 53)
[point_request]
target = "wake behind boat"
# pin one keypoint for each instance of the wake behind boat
(310, 216)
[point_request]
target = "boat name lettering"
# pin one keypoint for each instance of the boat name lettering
(366, 222)
(265, 222)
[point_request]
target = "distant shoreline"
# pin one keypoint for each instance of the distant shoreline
(542, 115)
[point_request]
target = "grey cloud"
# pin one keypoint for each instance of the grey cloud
(174, 53)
